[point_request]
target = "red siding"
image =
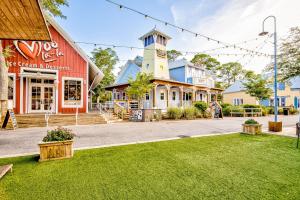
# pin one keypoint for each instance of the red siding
(77, 69)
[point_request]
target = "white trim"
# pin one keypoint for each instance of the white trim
(74, 45)
(56, 92)
(87, 88)
(13, 75)
(28, 87)
(21, 94)
(27, 96)
(63, 92)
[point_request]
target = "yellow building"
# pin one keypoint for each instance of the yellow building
(288, 95)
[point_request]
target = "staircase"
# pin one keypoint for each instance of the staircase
(38, 120)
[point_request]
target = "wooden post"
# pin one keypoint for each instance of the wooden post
(168, 94)
(154, 96)
(181, 95)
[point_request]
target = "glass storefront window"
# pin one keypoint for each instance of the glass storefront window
(72, 92)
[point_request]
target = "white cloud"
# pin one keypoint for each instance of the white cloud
(233, 22)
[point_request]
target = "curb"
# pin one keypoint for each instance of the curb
(124, 144)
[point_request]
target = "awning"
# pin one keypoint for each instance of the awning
(37, 75)
(95, 76)
(22, 20)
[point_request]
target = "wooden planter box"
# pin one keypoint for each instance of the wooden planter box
(275, 126)
(56, 150)
(252, 128)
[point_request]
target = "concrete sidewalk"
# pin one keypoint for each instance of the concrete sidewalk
(24, 141)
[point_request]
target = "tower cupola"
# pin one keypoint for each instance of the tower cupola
(155, 55)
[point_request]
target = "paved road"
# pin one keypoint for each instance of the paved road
(24, 141)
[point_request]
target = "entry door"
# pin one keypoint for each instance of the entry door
(48, 98)
(42, 97)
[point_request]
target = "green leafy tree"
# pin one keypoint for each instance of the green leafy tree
(139, 86)
(230, 72)
(257, 87)
(207, 61)
(173, 54)
(289, 58)
(53, 7)
(105, 59)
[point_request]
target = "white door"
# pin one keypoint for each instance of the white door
(41, 99)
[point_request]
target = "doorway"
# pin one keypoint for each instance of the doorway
(41, 96)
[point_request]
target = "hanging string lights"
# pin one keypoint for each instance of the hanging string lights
(183, 29)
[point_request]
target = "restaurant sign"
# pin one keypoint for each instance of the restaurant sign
(48, 51)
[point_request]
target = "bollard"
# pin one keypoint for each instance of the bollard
(76, 116)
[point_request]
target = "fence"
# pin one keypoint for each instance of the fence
(246, 112)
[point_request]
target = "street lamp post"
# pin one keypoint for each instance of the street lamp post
(275, 62)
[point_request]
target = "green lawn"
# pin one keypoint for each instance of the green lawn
(233, 166)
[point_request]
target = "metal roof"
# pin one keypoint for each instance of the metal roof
(153, 32)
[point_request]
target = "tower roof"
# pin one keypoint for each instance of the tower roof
(155, 31)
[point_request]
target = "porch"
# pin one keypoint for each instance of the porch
(166, 94)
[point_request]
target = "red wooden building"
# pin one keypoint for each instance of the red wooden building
(54, 76)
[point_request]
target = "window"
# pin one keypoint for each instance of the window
(124, 96)
(282, 101)
(47, 81)
(173, 95)
(73, 91)
(162, 96)
(238, 101)
(281, 86)
(147, 97)
(12, 88)
(33, 80)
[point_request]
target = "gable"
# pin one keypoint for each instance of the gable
(130, 71)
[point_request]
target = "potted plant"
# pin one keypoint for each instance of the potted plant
(57, 144)
(251, 126)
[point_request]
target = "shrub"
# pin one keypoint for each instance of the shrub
(265, 110)
(293, 111)
(225, 105)
(59, 134)
(207, 115)
(201, 106)
(250, 106)
(271, 110)
(280, 111)
(251, 121)
(174, 113)
(228, 109)
(190, 112)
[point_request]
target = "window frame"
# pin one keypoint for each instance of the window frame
(63, 92)
(13, 75)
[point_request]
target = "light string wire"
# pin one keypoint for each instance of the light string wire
(184, 29)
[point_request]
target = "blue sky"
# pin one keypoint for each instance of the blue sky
(227, 20)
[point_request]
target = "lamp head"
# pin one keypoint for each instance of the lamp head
(263, 33)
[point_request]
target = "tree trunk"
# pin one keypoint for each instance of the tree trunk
(3, 84)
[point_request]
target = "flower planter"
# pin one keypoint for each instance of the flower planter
(56, 150)
(275, 126)
(252, 128)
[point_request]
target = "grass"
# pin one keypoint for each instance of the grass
(233, 166)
